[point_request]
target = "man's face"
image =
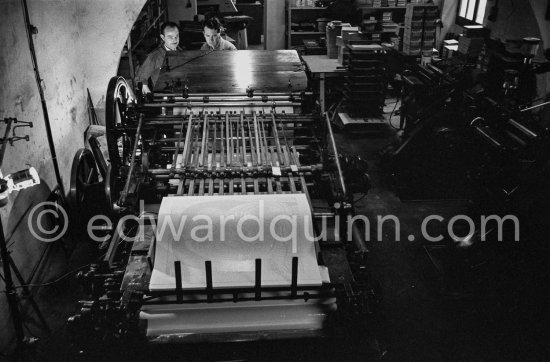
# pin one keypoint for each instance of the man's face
(212, 36)
(171, 38)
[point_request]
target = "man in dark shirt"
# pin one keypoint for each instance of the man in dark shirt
(169, 33)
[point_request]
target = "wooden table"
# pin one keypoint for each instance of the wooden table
(324, 67)
(233, 72)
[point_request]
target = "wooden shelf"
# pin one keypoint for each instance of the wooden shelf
(300, 14)
(307, 32)
(382, 7)
(307, 8)
(144, 35)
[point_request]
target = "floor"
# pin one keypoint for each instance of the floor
(436, 301)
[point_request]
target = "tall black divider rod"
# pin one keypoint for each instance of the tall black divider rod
(209, 293)
(179, 290)
(258, 281)
(294, 284)
(31, 29)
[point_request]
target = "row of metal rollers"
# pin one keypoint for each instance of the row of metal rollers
(214, 143)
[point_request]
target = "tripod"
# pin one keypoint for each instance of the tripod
(11, 292)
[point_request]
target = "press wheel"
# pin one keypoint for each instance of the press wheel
(112, 191)
(119, 95)
(84, 187)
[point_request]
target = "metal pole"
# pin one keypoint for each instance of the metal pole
(336, 158)
(42, 98)
(11, 293)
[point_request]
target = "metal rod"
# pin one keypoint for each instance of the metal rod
(264, 169)
(187, 140)
(337, 159)
(204, 141)
(231, 149)
(292, 159)
(277, 143)
(269, 185)
(526, 131)
(222, 142)
(49, 135)
(210, 105)
(177, 274)
(294, 283)
(214, 146)
(257, 138)
(196, 155)
(11, 293)
(243, 138)
(258, 280)
(244, 97)
(178, 145)
(5, 139)
(209, 284)
(533, 107)
(253, 155)
(124, 193)
(266, 144)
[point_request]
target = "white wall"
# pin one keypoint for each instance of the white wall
(78, 46)
(274, 24)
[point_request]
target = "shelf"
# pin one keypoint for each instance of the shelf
(144, 35)
(382, 7)
(307, 8)
(307, 32)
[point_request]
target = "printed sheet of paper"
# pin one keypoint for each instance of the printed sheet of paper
(232, 231)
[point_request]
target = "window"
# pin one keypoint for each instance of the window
(471, 12)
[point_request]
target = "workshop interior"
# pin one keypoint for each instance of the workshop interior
(359, 180)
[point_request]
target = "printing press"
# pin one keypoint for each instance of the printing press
(224, 134)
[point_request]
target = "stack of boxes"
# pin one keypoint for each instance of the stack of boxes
(364, 92)
(420, 25)
(450, 47)
(349, 33)
(472, 40)
(388, 26)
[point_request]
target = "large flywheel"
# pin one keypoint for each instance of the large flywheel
(119, 95)
(86, 189)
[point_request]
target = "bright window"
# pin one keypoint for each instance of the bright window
(471, 12)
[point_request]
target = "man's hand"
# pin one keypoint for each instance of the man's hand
(145, 89)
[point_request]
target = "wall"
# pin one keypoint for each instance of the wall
(516, 20)
(274, 25)
(78, 46)
(178, 10)
(448, 9)
(539, 11)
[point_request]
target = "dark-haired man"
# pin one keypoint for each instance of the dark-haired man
(212, 29)
(169, 34)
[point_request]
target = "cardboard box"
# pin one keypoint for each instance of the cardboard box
(346, 31)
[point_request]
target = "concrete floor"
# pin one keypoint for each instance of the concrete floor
(436, 302)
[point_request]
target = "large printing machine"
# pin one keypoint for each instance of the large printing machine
(478, 125)
(220, 130)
